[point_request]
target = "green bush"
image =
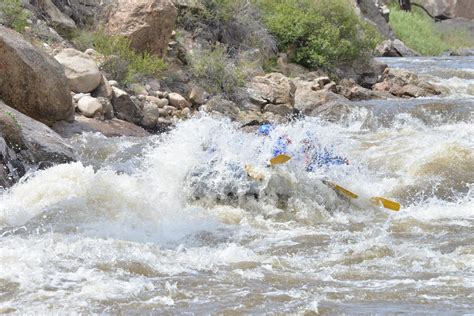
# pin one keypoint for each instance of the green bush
(124, 63)
(319, 33)
(419, 32)
(218, 73)
(13, 15)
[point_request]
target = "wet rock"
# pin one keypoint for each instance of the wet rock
(197, 96)
(147, 23)
(125, 108)
(110, 128)
(307, 99)
(402, 83)
(90, 107)
(25, 143)
(273, 88)
(363, 72)
(352, 91)
(178, 101)
(223, 106)
(31, 81)
(82, 71)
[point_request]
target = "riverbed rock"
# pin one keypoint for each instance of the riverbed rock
(31, 81)
(26, 143)
(395, 48)
(365, 72)
(178, 101)
(147, 23)
(223, 106)
(90, 107)
(125, 108)
(307, 99)
(272, 88)
(352, 91)
(150, 115)
(81, 70)
(403, 83)
(110, 128)
(104, 90)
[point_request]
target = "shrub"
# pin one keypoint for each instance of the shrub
(236, 23)
(418, 31)
(218, 73)
(319, 33)
(13, 15)
(123, 63)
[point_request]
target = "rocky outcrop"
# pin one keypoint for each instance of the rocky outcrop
(31, 81)
(365, 72)
(273, 93)
(440, 8)
(395, 48)
(81, 71)
(464, 9)
(56, 18)
(147, 23)
(402, 83)
(26, 143)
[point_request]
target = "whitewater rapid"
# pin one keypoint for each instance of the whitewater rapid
(168, 224)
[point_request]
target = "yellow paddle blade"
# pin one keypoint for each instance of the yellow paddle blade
(340, 189)
(280, 159)
(391, 205)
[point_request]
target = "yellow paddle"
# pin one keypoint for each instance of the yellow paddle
(340, 189)
(280, 159)
(391, 205)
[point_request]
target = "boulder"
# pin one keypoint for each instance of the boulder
(90, 107)
(178, 101)
(403, 83)
(56, 18)
(111, 128)
(307, 100)
(150, 115)
(31, 81)
(464, 9)
(81, 71)
(223, 106)
(365, 72)
(104, 90)
(147, 23)
(273, 88)
(352, 91)
(26, 143)
(440, 8)
(395, 48)
(125, 108)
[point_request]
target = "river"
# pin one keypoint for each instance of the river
(151, 226)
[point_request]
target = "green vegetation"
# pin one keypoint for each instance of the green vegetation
(419, 32)
(13, 118)
(122, 62)
(238, 24)
(321, 33)
(13, 15)
(218, 73)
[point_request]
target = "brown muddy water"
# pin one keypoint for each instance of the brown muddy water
(172, 225)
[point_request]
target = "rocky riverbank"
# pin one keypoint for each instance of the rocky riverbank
(50, 88)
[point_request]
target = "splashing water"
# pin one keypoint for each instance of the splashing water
(173, 224)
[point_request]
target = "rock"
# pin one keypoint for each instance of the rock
(396, 80)
(375, 14)
(410, 90)
(90, 107)
(279, 109)
(111, 128)
(178, 101)
(273, 88)
(104, 90)
(147, 23)
(365, 73)
(26, 143)
(223, 106)
(197, 95)
(82, 71)
(150, 115)
(395, 48)
(188, 4)
(464, 9)
(159, 102)
(43, 94)
(113, 83)
(440, 8)
(352, 91)
(57, 18)
(307, 100)
(125, 108)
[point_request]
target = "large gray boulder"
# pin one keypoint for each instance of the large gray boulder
(125, 108)
(81, 71)
(272, 88)
(26, 143)
(31, 81)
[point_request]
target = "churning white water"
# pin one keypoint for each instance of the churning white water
(173, 224)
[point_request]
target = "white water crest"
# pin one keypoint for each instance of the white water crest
(172, 223)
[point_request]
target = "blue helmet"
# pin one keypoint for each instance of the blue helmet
(265, 129)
